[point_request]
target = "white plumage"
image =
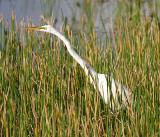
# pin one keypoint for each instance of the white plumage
(113, 93)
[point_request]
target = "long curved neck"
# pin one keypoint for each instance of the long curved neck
(87, 68)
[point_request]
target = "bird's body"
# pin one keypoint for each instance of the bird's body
(113, 93)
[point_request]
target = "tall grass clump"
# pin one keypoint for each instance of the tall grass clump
(44, 92)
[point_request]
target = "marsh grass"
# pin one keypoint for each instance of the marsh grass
(44, 92)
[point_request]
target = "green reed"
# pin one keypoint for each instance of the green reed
(44, 92)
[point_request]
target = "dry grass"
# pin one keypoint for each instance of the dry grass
(43, 92)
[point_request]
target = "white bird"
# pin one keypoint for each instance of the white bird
(113, 93)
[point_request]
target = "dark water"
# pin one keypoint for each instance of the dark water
(70, 9)
(59, 9)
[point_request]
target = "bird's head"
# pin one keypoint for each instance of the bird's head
(45, 28)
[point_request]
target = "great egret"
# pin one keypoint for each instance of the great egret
(113, 93)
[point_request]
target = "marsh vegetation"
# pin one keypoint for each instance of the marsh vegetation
(44, 92)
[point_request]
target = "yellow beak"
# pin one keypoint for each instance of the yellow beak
(36, 28)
